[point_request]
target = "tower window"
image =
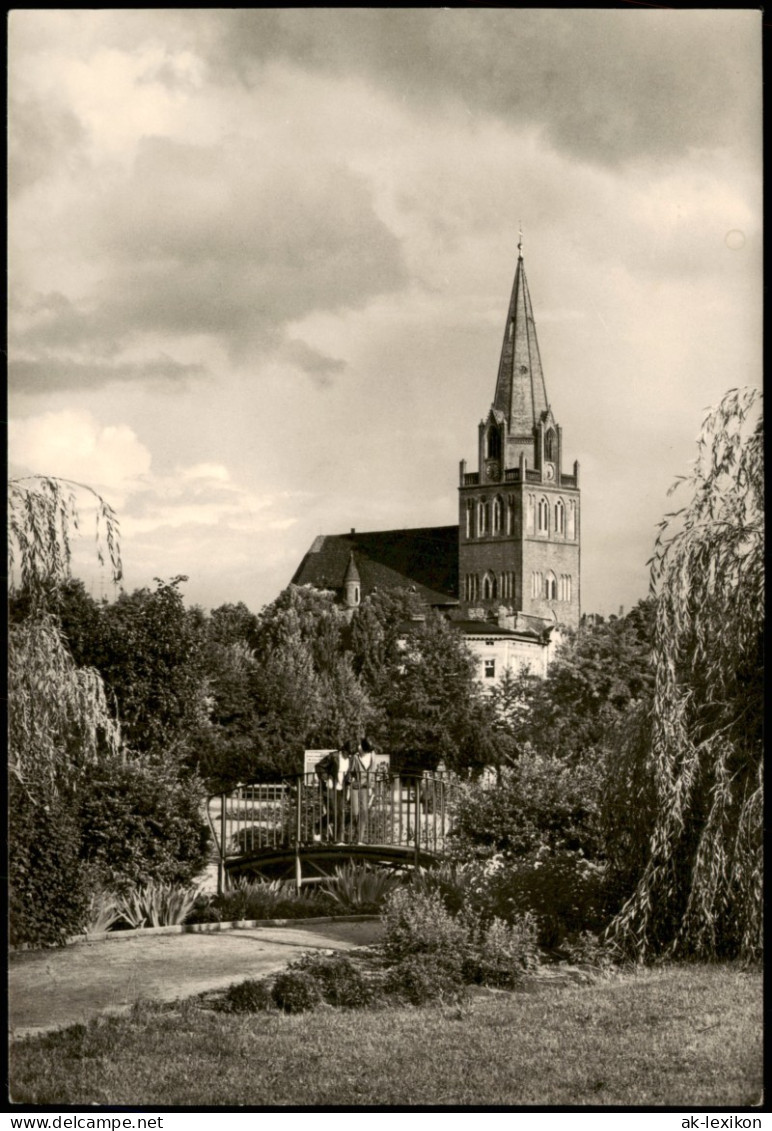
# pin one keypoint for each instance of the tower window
(543, 512)
(470, 519)
(497, 509)
(571, 531)
(537, 583)
(551, 587)
(529, 513)
(511, 514)
(560, 517)
(550, 445)
(493, 443)
(490, 588)
(564, 589)
(471, 587)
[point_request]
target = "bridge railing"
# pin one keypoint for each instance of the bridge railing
(393, 811)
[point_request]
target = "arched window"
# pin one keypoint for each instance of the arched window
(551, 587)
(571, 526)
(543, 511)
(564, 590)
(471, 587)
(490, 589)
(493, 443)
(482, 517)
(511, 514)
(498, 507)
(530, 508)
(469, 519)
(550, 445)
(560, 517)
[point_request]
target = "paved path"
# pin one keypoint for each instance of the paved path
(53, 988)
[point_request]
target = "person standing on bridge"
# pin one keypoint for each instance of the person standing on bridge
(342, 779)
(359, 773)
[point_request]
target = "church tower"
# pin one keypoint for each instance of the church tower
(519, 518)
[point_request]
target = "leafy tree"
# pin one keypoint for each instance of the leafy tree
(600, 674)
(701, 889)
(148, 648)
(430, 707)
(59, 721)
(64, 735)
(233, 624)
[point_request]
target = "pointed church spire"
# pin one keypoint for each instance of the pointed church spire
(521, 394)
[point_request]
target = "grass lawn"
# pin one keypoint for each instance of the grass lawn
(673, 1036)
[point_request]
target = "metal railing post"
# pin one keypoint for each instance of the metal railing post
(417, 820)
(221, 862)
(298, 830)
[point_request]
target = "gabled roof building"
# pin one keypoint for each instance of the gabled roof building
(509, 574)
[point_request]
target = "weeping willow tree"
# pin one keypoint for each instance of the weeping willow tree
(700, 892)
(59, 719)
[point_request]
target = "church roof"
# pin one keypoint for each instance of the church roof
(520, 390)
(424, 559)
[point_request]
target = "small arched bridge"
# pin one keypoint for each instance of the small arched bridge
(299, 829)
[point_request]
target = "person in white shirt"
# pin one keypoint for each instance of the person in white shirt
(342, 779)
(360, 777)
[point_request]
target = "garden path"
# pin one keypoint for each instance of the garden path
(52, 988)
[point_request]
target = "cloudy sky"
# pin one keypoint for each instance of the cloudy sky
(260, 264)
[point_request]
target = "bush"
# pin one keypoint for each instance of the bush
(251, 996)
(48, 897)
(341, 982)
(417, 923)
(541, 803)
(426, 976)
(501, 953)
(453, 882)
(296, 991)
(357, 888)
(563, 892)
(156, 905)
(588, 949)
(264, 899)
(142, 823)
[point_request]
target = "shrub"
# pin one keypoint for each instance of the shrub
(296, 991)
(453, 882)
(418, 923)
(355, 887)
(48, 899)
(156, 905)
(264, 899)
(341, 982)
(588, 949)
(541, 803)
(103, 911)
(500, 953)
(564, 893)
(426, 976)
(142, 823)
(251, 996)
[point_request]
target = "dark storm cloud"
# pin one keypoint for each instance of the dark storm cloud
(211, 241)
(49, 373)
(600, 85)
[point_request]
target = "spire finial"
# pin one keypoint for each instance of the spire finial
(520, 240)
